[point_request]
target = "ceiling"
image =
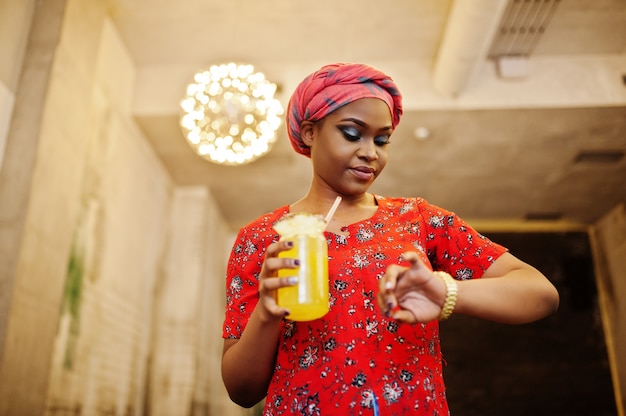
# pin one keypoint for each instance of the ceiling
(500, 149)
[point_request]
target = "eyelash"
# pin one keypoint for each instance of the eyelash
(352, 137)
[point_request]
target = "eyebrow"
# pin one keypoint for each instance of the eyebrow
(364, 124)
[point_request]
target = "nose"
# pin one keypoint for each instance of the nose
(368, 150)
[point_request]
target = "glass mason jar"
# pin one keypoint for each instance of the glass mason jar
(308, 299)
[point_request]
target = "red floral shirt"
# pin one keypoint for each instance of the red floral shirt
(354, 358)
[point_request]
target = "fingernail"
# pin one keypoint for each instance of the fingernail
(296, 262)
(292, 280)
(388, 286)
(289, 244)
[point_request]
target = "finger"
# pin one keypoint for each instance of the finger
(275, 310)
(273, 264)
(271, 308)
(386, 288)
(403, 315)
(387, 283)
(386, 302)
(275, 248)
(273, 283)
(413, 258)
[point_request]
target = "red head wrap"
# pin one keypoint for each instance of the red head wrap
(334, 86)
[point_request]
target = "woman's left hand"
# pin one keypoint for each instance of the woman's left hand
(411, 294)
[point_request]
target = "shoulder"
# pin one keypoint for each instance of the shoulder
(253, 238)
(416, 209)
(264, 224)
(404, 205)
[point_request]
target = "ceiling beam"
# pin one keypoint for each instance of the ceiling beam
(469, 32)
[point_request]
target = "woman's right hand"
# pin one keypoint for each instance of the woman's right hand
(269, 282)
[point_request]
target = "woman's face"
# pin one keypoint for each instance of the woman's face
(349, 146)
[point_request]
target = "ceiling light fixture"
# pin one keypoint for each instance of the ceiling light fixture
(230, 115)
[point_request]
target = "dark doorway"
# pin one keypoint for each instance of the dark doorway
(556, 366)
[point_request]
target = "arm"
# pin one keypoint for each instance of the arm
(510, 291)
(248, 362)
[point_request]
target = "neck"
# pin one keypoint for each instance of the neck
(316, 202)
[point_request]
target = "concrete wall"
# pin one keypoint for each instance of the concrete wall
(185, 361)
(118, 235)
(111, 276)
(608, 239)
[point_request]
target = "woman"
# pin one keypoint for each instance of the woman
(377, 351)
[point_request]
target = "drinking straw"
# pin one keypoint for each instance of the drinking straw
(332, 209)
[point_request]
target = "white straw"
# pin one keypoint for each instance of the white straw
(332, 209)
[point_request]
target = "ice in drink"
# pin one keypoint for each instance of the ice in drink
(308, 299)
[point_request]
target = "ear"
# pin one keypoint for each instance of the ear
(306, 132)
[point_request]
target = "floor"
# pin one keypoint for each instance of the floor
(556, 366)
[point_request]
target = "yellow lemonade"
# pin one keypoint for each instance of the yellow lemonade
(308, 299)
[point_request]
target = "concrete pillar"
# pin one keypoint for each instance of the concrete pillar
(470, 29)
(23, 392)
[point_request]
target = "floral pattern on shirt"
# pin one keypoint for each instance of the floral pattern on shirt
(354, 356)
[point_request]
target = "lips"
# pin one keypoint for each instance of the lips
(364, 173)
